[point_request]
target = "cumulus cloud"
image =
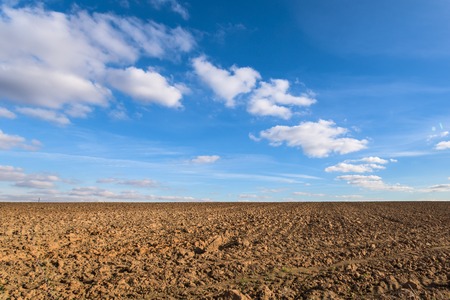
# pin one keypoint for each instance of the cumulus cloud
(443, 145)
(45, 114)
(227, 84)
(205, 159)
(374, 160)
(8, 141)
(174, 5)
(145, 86)
(369, 164)
(25, 83)
(63, 65)
(347, 168)
(317, 139)
(373, 182)
(6, 113)
(272, 99)
(20, 179)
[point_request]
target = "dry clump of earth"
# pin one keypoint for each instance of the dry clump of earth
(225, 250)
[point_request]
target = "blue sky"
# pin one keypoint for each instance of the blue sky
(166, 100)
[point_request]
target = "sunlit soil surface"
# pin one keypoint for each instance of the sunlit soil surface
(225, 251)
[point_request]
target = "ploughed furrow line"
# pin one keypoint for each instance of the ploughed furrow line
(225, 250)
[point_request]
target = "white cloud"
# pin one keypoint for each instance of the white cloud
(308, 194)
(119, 113)
(443, 145)
(348, 197)
(437, 188)
(226, 84)
(374, 160)
(143, 183)
(24, 83)
(272, 191)
(205, 159)
(140, 183)
(174, 5)
(93, 193)
(78, 110)
(90, 192)
(62, 65)
(8, 141)
(249, 196)
(370, 164)
(264, 107)
(273, 99)
(40, 182)
(347, 168)
(45, 114)
(108, 180)
(10, 173)
(440, 135)
(6, 113)
(317, 139)
(20, 179)
(146, 86)
(373, 182)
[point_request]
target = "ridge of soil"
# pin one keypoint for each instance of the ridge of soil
(385, 250)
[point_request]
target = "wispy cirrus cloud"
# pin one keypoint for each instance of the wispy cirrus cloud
(6, 113)
(205, 159)
(142, 183)
(174, 5)
(309, 194)
(45, 114)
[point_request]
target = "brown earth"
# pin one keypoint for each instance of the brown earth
(225, 251)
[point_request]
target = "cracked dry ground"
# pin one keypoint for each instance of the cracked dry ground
(225, 251)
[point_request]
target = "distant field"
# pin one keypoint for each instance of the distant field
(225, 250)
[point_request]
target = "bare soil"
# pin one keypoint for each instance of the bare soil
(225, 251)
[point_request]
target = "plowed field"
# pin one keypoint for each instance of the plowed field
(225, 251)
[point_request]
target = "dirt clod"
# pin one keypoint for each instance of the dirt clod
(225, 250)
